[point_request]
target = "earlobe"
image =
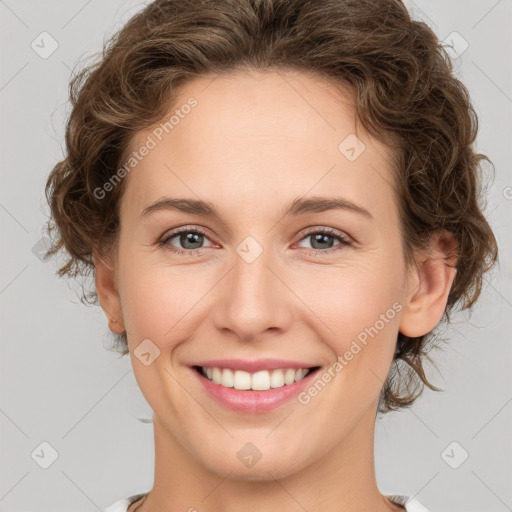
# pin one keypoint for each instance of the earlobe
(430, 282)
(108, 295)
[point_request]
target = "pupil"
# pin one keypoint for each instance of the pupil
(196, 238)
(321, 238)
(193, 238)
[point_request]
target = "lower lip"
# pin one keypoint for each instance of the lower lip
(253, 401)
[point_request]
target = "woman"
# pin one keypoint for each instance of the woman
(278, 200)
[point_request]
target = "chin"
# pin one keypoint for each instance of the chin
(273, 467)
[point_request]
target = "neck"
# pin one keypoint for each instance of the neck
(342, 479)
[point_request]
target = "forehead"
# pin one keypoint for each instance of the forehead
(251, 135)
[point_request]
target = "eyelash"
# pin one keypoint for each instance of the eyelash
(344, 241)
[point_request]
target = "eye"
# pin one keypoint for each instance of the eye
(322, 240)
(190, 239)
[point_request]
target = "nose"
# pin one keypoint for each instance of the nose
(253, 300)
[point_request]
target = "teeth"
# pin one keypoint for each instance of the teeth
(258, 381)
(227, 378)
(289, 376)
(277, 379)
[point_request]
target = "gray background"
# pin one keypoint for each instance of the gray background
(60, 385)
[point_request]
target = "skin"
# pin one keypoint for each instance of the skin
(254, 142)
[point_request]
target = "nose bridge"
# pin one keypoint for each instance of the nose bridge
(250, 273)
(252, 300)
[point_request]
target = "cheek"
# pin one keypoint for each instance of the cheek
(363, 310)
(159, 302)
(148, 302)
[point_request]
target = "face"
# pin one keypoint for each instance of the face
(277, 279)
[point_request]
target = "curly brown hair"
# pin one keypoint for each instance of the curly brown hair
(407, 97)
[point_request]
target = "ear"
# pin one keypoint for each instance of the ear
(108, 295)
(428, 285)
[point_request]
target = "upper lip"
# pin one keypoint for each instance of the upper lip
(253, 366)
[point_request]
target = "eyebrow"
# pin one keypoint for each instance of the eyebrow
(298, 206)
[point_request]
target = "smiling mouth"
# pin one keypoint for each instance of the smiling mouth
(257, 381)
